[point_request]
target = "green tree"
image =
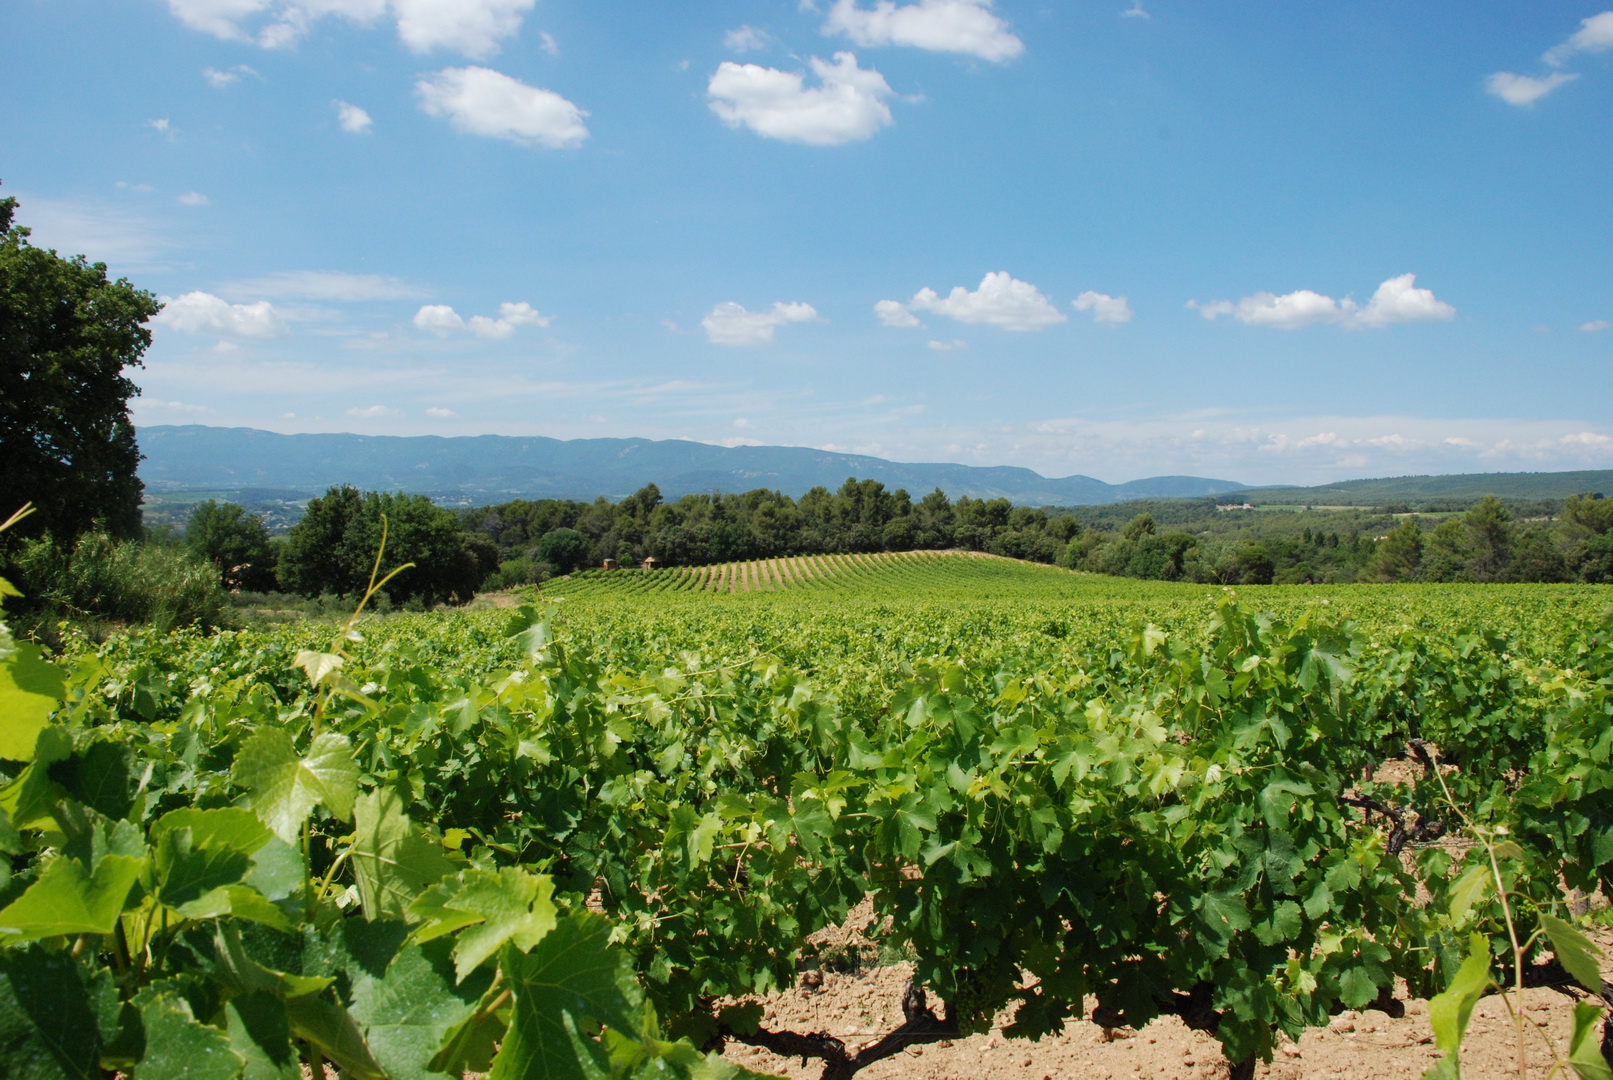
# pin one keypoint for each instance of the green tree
(234, 541)
(1400, 554)
(564, 549)
(1138, 527)
(1489, 529)
(332, 549)
(66, 334)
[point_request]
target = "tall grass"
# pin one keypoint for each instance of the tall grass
(99, 580)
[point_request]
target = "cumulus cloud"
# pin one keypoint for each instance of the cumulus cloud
(229, 77)
(481, 101)
(731, 324)
(1595, 325)
(893, 313)
(192, 198)
(1001, 300)
(959, 26)
(1397, 300)
(746, 39)
(372, 412)
(204, 313)
(441, 414)
(848, 104)
(352, 119)
(1135, 11)
(948, 346)
(1104, 308)
(444, 321)
(548, 44)
(1524, 89)
(473, 28)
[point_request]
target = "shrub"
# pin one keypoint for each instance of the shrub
(99, 579)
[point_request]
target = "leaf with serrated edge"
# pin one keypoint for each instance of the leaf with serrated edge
(1449, 1012)
(489, 909)
(1584, 1049)
(177, 1046)
(285, 788)
(1574, 951)
(66, 900)
(392, 862)
(318, 665)
(572, 973)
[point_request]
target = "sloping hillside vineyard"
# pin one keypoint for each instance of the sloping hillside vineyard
(575, 839)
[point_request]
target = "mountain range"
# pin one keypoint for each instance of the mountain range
(497, 468)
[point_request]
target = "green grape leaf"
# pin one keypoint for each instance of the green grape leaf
(261, 1034)
(184, 871)
(1575, 952)
(1449, 1011)
(1356, 987)
(333, 1030)
(488, 909)
(28, 798)
(470, 1045)
(572, 976)
(30, 690)
(392, 862)
(1584, 1048)
(67, 900)
(177, 1046)
(49, 1027)
(285, 788)
(407, 1013)
(1472, 887)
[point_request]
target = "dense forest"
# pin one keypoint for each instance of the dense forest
(1189, 540)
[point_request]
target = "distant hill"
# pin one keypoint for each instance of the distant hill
(497, 468)
(1394, 489)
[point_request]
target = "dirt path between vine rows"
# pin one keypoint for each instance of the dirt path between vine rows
(1358, 1045)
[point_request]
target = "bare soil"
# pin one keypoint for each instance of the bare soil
(1358, 1045)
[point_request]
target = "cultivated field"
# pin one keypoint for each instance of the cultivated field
(1164, 828)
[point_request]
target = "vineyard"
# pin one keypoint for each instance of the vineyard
(902, 572)
(584, 838)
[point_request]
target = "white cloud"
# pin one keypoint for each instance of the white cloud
(849, 105)
(1524, 89)
(1002, 301)
(731, 324)
(160, 125)
(229, 77)
(960, 26)
(1397, 300)
(352, 119)
(747, 39)
(442, 320)
(372, 412)
(481, 101)
(1595, 34)
(441, 414)
(1135, 11)
(192, 198)
(548, 44)
(204, 313)
(893, 313)
(473, 28)
(948, 346)
(1104, 308)
(1595, 325)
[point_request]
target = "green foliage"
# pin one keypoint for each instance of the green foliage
(66, 335)
(99, 579)
(235, 542)
(465, 841)
(564, 549)
(332, 549)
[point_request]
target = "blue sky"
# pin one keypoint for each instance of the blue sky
(1261, 241)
